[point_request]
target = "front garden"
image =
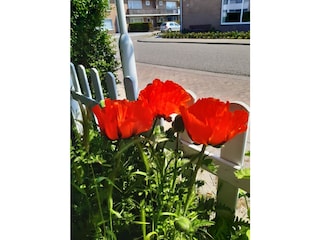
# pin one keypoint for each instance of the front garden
(130, 179)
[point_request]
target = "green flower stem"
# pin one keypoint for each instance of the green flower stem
(193, 179)
(159, 198)
(155, 122)
(177, 142)
(110, 185)
(143, 219)
(175, 174)
(99, 202)
(144, 157)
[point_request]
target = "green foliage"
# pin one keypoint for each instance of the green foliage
(208, 35)
(140, 27)
(90, 45)
(242, 173)
(148, 197)
(138, 188)
(228, 228)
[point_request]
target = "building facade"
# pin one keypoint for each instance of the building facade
(221, 15)
(153, 11)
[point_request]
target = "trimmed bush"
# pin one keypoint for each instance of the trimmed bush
(208, 35)
(140, 27)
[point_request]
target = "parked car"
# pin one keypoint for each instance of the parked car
(169, 27)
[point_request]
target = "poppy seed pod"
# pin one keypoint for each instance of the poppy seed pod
(177, 124)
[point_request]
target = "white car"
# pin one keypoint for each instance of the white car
(170, 27)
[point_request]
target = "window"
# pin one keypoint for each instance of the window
(135, 4)
(147, 3)
(246, 11)
(171, 5)
(136, 20)
(107, 24)
(235, 11)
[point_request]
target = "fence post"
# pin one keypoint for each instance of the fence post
(76, 115)
(84, 83)
(233, 151)
(111, 85)
(129, 85)
(96, 84)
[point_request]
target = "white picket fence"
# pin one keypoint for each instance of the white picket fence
(229, 159)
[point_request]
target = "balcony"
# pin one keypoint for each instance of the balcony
(153, 11)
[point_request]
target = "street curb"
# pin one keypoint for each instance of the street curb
(197, 41)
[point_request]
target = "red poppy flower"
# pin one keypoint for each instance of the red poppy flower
(209, 121)
(165, 98)
(123, 119)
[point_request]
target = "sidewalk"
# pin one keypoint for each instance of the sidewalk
(203, 84)
(193, 40)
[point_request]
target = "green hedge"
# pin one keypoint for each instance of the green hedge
(140, 27)
(208, 35)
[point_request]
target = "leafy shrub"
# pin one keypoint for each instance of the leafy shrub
(140, 27)
(91, 46)
(208, 35)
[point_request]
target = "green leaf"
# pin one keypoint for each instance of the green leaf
(148, 237)
(100, 179)
(248, 234)
(168, 214)
(140, 222)
(128, 144)
(118, 215)
(203, 223)
(79, 189)
(209, 165)
(139, 173)
(242, 173)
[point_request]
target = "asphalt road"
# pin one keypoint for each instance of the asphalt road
(217, 58)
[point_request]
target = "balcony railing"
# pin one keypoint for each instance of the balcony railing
(152, 11)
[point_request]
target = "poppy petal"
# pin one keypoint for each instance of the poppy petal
(218, 123)
(164, 98)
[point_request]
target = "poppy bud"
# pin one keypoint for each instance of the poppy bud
(102, 103)
(183, 224)
(177, 124)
